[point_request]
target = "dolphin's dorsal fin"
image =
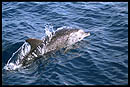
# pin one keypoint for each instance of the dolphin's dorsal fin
(34, 42)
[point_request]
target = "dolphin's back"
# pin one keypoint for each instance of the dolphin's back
(60, 38)
(63, 32)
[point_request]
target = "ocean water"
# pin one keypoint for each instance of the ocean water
(100, 59)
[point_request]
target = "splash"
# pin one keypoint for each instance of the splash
(49, 31)
(14, 62)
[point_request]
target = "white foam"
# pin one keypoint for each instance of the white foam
(14, 63)
(49, 31)
(12, 66)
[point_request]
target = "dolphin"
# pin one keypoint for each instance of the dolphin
(61, 38)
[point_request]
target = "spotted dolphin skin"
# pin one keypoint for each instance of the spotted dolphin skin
(62, 38)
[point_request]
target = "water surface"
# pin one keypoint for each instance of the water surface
(101, 59)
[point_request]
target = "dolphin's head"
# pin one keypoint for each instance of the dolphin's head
(81, 34)
(76, 36)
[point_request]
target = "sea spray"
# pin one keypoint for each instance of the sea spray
(14, 61)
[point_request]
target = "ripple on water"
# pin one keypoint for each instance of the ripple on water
(102, 60)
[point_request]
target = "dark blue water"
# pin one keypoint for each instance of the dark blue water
(101, 59)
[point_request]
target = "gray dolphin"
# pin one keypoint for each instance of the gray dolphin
(62, 38)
